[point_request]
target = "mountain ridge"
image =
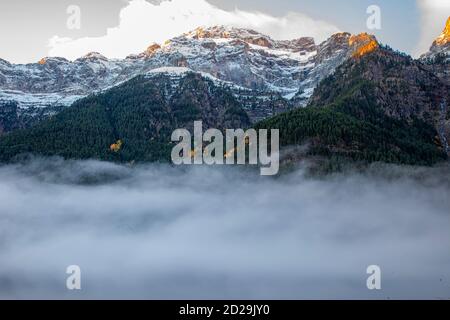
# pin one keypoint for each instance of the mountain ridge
(354, 115)
(362, 100)
(367, 110)
(132, 121)
(284, 73)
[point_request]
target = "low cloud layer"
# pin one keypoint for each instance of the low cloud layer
(142, 23)
(203, 232)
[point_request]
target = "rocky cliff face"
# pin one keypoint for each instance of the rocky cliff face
(438, 58)
(331, 54)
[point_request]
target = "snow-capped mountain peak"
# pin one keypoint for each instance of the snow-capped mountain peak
(266, 70)
(93, 56)
(440, 48)
(230, 33)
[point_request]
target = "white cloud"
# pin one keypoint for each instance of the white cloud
(142, 22)
(434, 14)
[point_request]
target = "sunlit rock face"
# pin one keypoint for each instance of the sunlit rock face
(440, 49)
(444, 38)
(363, 44)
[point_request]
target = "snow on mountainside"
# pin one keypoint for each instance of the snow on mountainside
(255, 61)
(257, 103)
(267, 73)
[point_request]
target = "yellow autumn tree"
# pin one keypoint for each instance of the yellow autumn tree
(115, 147)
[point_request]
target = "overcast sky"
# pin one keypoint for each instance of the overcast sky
(30, 30)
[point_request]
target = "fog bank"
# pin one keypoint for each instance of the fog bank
(158, 232)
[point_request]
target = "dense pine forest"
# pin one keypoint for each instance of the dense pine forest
(362, 112)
